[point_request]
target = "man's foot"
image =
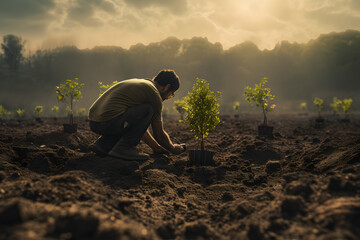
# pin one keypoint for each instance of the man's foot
(96, 148)
(128, 153)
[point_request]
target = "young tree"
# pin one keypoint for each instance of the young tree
(261, 96)
(203, 109)
(82, 112)
(236, 106)
(335, 105)
(4, 113)
(104, 87)
(55, 110)
(38, 110)
(179, 106)
(12, 46)
(69, 93)
(319, 104)
(303, 106)
(20, 113)
(346, 104)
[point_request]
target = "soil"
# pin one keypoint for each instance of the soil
(304, 183)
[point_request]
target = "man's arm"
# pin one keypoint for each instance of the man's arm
(152, 143)
(163, 138)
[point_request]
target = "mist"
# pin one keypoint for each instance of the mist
(325, 67)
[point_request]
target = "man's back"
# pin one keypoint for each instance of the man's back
(123, 95)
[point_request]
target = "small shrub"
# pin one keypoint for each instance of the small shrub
(203, 109)
(38, 110)
(69, 93)
(20, 113)
(236, 106)
(55, 110)
(261, 96)
(303, 106)
(179, 106)
(346, 104)
(318, 104)
(336, 104)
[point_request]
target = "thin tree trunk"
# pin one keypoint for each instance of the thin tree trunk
(265, 119)
(202, 145)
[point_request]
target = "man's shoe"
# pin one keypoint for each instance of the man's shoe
(128, 153)
(96, 148)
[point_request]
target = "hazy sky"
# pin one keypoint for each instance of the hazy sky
(86, 23)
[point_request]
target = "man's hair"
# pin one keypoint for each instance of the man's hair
(168, 76)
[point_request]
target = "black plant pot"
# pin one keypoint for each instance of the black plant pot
(201, 158)
(319, 122)
(345, 120)
(265, 131)
(236, 116)
(39, 120)
(70, 128)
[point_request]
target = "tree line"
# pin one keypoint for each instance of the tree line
(326, 67)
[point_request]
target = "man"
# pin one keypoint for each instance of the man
(123, 113)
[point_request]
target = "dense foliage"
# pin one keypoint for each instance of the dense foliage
(202, 109)
(261, 96)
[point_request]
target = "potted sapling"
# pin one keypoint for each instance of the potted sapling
(4, 113)
(38, 111)
(236, 108)
(346, 104)
(318, 102)
(335, 105)
(69, 93)
(202, 109)
(261, 96)
(20, 113)
(55, 111)
(179, 106)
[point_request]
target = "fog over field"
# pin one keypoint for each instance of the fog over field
(307, 49)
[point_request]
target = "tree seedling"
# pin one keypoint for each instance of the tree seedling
(20, 113)
(104, 87)
(319, 105)
(202, 109)
(81, 112)
(38, 111)
(5, 114)
(236, 108)
(346, 104)
(179, 106)
(69, 93)
(262, 97)
(335, 105)
(55, 110)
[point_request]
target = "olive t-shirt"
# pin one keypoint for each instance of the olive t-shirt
(114, 101)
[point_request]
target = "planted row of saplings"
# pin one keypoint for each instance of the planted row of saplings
(38, 112)
(335, 105)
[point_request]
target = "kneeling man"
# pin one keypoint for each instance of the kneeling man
(123, 113)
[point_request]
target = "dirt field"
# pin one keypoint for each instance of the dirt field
(303, 184)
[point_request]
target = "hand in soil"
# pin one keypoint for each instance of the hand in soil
(178, 149)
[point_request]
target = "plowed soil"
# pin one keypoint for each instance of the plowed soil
(302, 184)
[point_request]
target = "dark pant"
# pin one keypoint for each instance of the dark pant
(129, 127)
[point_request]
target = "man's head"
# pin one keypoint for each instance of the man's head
(167, 82)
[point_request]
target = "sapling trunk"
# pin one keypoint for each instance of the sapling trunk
(202, 145)
(71, 114)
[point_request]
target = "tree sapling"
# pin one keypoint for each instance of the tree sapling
(203, 109)
(236, 108)
(69, 93)
(179, 106)
(38, 111)
(335, 105)
(346, 104)
(319, 105)
(20, 113)
(55, 110)
(261, 96)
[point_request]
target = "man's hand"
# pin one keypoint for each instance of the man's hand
(178, 148)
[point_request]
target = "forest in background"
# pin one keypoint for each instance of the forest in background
(326, 67)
